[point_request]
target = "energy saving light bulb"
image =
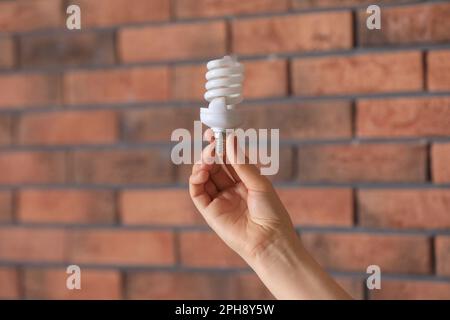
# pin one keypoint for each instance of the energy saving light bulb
(224, 91)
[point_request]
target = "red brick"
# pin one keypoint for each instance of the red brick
(262, 116)
(266, 78)
(51, 284)
(393, 208)
(356, 251)
(117, 85)
(9, 279)
(405, 117)
(440, 158)
(55, 50)
(7, 48)
(381, 72)
(189, 82)
(6, 210)
(411, 290)
(293, 33)
(263, 79)
(311, 120)
(286, 170)
(442, 253)
(407, 24)
(24, 15)
(21, 90)
(205, 249)
(66, 206)
(73, 127)
(140, 125)
(150, 43)
(158, 207)
(6, 124)
(123, 166)
(101, 13)
(322, 207)
(286, 157)
(208, 8)
(304, 4)
(363, 163)
(32, 167)
(121, 247)
(439, 70)
(353, 286)
(18, 244)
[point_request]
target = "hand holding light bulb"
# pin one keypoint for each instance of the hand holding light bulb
(246, 212)
(241, 205)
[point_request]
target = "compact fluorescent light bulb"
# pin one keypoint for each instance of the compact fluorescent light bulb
(224, 91)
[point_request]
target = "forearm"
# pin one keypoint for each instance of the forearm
(290, 272)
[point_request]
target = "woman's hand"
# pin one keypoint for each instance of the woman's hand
(242, 207)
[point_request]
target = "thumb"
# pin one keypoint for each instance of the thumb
(247, 172)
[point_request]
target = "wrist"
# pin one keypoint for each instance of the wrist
(290, 272)
(284, 252)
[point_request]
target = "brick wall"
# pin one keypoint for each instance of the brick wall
(86, 117)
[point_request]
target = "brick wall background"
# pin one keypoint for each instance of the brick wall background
(86, 118)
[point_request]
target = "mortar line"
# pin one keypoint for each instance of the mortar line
(190, 104)
(353, 51)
